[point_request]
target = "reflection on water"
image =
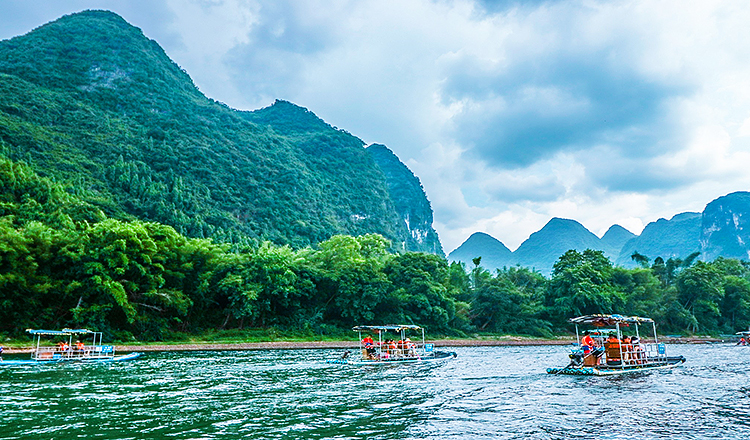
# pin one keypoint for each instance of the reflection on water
(488, 392)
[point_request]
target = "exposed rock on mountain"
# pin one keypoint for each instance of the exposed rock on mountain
(725, 227)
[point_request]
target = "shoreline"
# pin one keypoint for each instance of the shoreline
(318, 345)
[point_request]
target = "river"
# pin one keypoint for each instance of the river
(487, 392)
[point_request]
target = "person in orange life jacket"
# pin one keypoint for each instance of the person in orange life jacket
(613, 348)
(626, 347)
(369, 346)
(587, 342)
(742, 341)
(79, 345)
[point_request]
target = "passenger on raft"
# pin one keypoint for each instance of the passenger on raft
(369, 345)
(613, 349)
(79, 346)
(590, 348)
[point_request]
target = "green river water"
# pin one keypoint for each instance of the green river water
(487, 392)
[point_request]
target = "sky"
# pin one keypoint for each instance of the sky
(510, 112)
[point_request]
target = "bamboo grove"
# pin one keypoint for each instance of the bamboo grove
(64, 263)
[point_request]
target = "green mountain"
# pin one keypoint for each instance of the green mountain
(677, 237)
(493, 252)
(410, 201)
(89, 100)
(614, 239)
(543, 248)
(725, 227)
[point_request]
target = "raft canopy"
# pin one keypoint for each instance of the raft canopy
(605, 320)
(63, 332)
(394, 328)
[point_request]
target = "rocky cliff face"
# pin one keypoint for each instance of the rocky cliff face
(725, 227)
(410, 201)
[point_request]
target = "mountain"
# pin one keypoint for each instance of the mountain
(614, 239)
(410, 201)
(493, 252)
(677, 237)
(542, 249)
(90, 101)
(725, 227)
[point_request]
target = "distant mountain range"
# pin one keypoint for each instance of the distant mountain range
(91, 102)
(722, 229)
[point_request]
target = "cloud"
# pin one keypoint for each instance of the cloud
(555, 90)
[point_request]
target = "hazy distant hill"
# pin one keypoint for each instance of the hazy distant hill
(614, 239)
(493, 252)
(89, 100)
(725, 227)
(674, 238)
(544, 247)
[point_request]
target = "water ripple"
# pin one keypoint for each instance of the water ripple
(487, 392)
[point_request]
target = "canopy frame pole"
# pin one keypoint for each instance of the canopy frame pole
(619, 338)
(423, 343)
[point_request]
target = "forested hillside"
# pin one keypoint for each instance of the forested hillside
(64, 263)
(89, 100)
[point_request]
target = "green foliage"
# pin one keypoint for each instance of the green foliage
(90, 101)
(64, 263)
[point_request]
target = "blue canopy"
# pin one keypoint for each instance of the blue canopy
(394, 328)
(63, 332)
(602, 320)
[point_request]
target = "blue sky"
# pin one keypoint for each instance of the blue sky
(510, 112)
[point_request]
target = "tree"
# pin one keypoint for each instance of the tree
(700, 291)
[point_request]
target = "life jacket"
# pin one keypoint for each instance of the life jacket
(613, 342)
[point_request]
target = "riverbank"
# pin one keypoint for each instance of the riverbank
(311, 345)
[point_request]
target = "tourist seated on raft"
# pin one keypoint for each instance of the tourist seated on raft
(79, 346)
(392, 348)
(411, 348)
(591, 351)
(612, 347)
(637, 352)
(627, 349)
(369, 345)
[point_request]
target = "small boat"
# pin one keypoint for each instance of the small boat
(68, 351)
(386, 350)
(743, 337)
(610, 354)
